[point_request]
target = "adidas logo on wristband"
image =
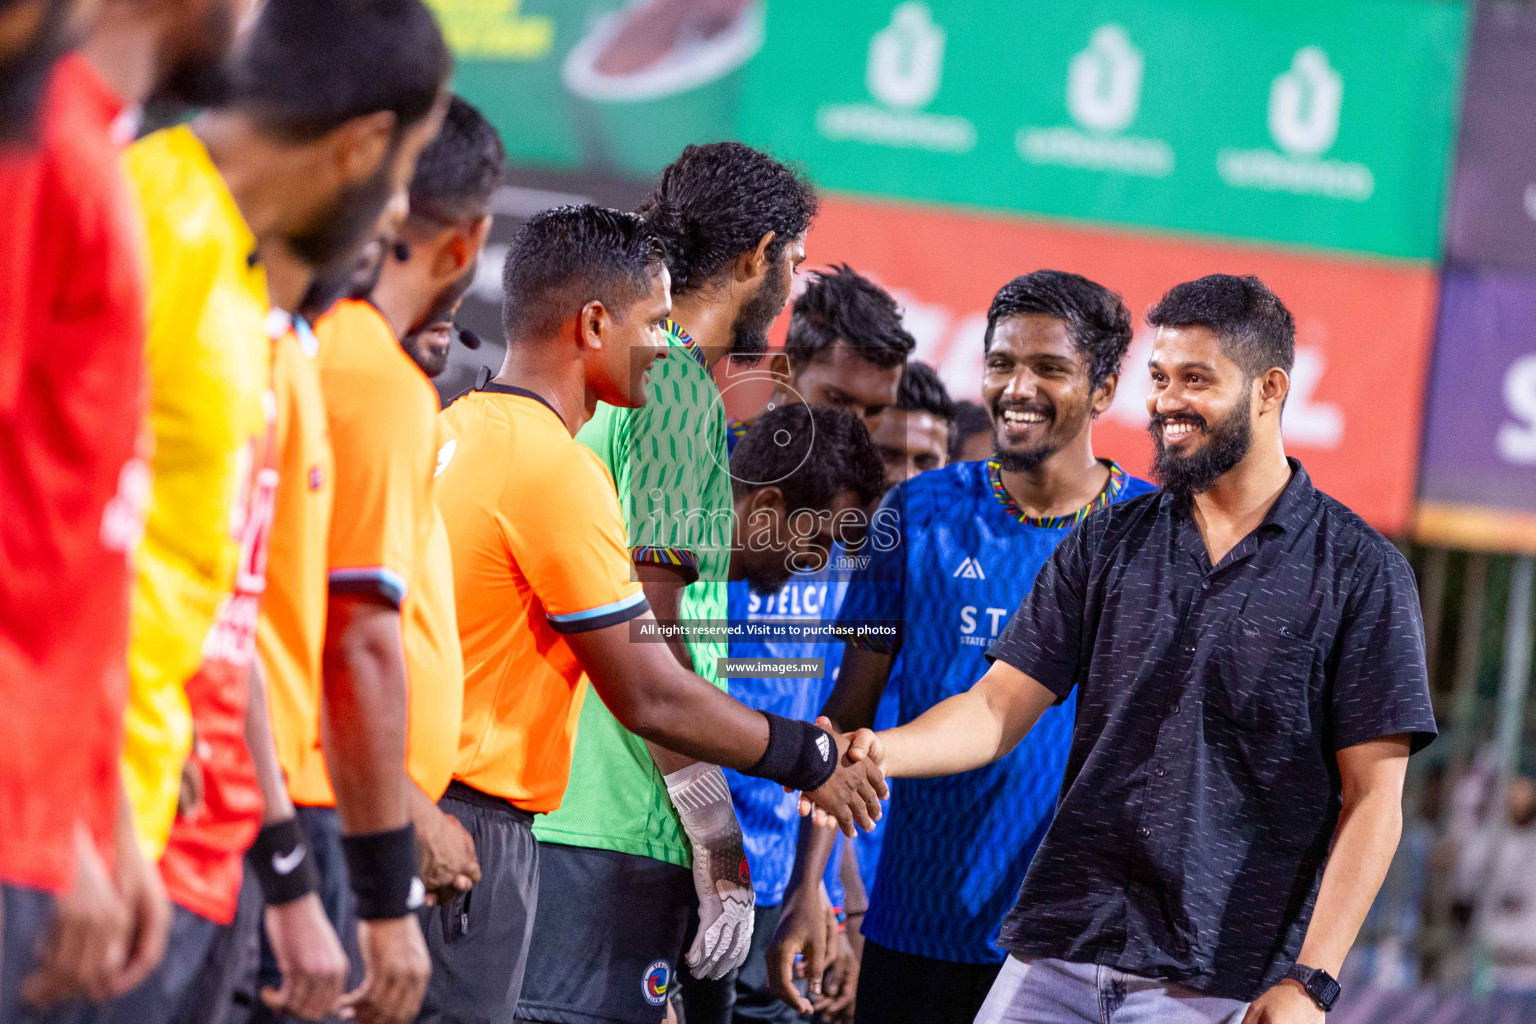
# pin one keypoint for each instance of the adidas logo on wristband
(824, 745)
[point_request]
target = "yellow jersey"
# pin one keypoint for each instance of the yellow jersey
(208, 357)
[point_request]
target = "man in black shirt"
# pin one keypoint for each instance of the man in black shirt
(1249, 659)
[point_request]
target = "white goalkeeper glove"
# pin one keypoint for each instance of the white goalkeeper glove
(720, 874)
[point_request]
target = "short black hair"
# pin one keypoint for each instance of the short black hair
(1256, 331)
(970, 419)
(563, 258)
(921, 390)
(717, 201)
(311, 66)
(459, 170)
(1096, 317)
(840, 303)
(810, 453)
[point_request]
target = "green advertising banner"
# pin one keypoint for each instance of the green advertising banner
(1317, 123)
(604, 86)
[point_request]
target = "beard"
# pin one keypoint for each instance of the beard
(749, 334)
(25, 73)
(349, 218)
(203, 77)
(1226, 443)
(434, 360)
(352, 278)
(1023, 460)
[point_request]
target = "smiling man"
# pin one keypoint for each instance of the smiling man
(1248, 661)
(970, 538)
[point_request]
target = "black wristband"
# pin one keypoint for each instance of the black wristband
(799, 755)
(282, 863)
(383, 870)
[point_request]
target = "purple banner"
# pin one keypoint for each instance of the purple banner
(1493, 199)
(1478, 476)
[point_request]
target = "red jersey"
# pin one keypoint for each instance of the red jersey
(202, 863)
(72, 487)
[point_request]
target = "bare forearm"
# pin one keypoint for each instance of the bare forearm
(812, 851)
(663, 592)
(860, 683)
(856, 900)
(690, 720)
(970, 729)
(258, 739)
(1364, 843)
(364, 720)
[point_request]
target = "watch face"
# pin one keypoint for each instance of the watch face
(1323, 989)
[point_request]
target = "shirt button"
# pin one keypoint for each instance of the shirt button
(1159, 772)
(1205, 584)
(1145, 832)
(1177, 708)
(1189, 650)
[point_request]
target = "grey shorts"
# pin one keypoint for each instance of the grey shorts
(479, 941)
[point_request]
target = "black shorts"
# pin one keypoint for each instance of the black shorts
(609, 933)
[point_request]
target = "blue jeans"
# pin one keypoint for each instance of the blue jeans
(1043, 991)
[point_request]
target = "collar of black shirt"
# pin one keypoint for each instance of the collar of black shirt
(1291, 511)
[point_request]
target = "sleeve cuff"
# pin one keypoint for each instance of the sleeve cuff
(1419, 733)
(678, 558)
(1047, 674)
(379, 581)
(602, 616)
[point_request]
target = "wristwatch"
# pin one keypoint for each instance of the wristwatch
(1318, 983)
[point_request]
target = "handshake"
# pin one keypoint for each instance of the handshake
(851, 797)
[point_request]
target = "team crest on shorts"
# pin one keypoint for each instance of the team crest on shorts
(654, 982)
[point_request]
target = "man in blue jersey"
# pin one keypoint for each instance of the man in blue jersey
(914, 437)
(845, 349)
(967, 543)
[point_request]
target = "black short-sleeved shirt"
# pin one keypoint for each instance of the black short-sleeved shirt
(1202, 791)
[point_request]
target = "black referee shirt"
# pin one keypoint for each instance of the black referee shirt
(1202, 792)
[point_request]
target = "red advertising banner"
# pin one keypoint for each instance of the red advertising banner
(1362, 346)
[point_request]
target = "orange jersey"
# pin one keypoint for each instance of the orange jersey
(202, 865)
(433, 663)
(539, 552)
(290, 633)
(382, 414)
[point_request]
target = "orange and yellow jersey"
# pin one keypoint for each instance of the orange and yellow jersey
(290, 631)
(539, 552)
(382, 412)
(203, 862)
(207, 353)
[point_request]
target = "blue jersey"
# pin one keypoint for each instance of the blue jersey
(867, 846)
(952, 557)
(770, 817)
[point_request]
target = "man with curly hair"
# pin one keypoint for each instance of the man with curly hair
(625, 890)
